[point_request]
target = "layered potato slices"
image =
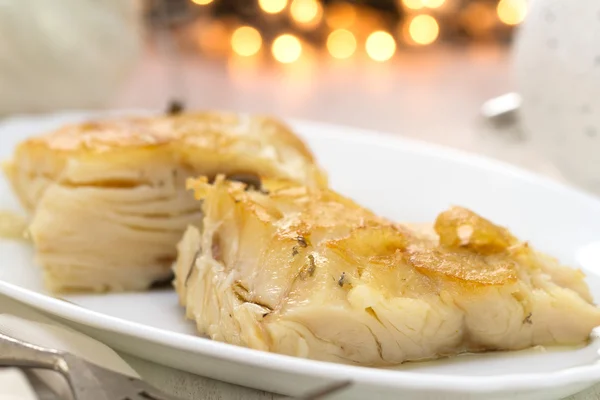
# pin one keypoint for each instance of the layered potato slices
(304, 271)
(108, 200)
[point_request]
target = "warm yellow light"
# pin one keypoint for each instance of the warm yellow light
(512, 12)
(272, 6)
(433, 3)
(478, 19)
(246, 41)
(414, 4)
(286, 48)
(214, 38)
(307, 12)
(202, 2)
(423, 29)
(380, 46)
(341, 43)
(340, 15)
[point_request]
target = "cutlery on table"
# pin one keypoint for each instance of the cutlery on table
(86, 380)
(89, 381)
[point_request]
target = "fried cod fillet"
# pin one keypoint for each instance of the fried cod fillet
(308, 273)
(108, 198)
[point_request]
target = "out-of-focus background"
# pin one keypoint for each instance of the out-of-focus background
(417, 68)
(421, 68)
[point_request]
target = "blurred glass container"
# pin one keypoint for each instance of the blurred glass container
(66, 54)
(557, 66)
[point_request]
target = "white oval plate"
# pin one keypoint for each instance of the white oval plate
(400, 179)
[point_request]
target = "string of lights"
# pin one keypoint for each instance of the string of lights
(285, 30)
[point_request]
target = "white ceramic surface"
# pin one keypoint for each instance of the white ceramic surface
(557, 67)
(400, 179)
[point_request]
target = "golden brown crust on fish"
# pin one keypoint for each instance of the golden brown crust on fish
(308, 272)
(372, 236)
(213, 131)
(459, 227)
(121, 181)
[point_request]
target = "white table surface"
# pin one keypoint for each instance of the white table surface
(431, 96)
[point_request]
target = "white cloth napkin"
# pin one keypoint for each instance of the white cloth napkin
(22, 322)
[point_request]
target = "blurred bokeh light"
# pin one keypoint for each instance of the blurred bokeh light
(341, 43)
(380, 46)
(512, 12)
(246, 41)
(423, 29)
(272, 6)
(286, 48)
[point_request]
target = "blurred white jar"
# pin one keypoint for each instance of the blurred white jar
(557, 60)
(61, 54)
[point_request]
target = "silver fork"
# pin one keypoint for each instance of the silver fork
(86, 380)
(89, 381)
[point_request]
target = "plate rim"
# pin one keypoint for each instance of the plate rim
(392, 379)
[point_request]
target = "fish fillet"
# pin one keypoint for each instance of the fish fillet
(306, 272)
(108, 198)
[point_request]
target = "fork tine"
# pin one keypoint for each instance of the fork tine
(86, 380)
(117, 386)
